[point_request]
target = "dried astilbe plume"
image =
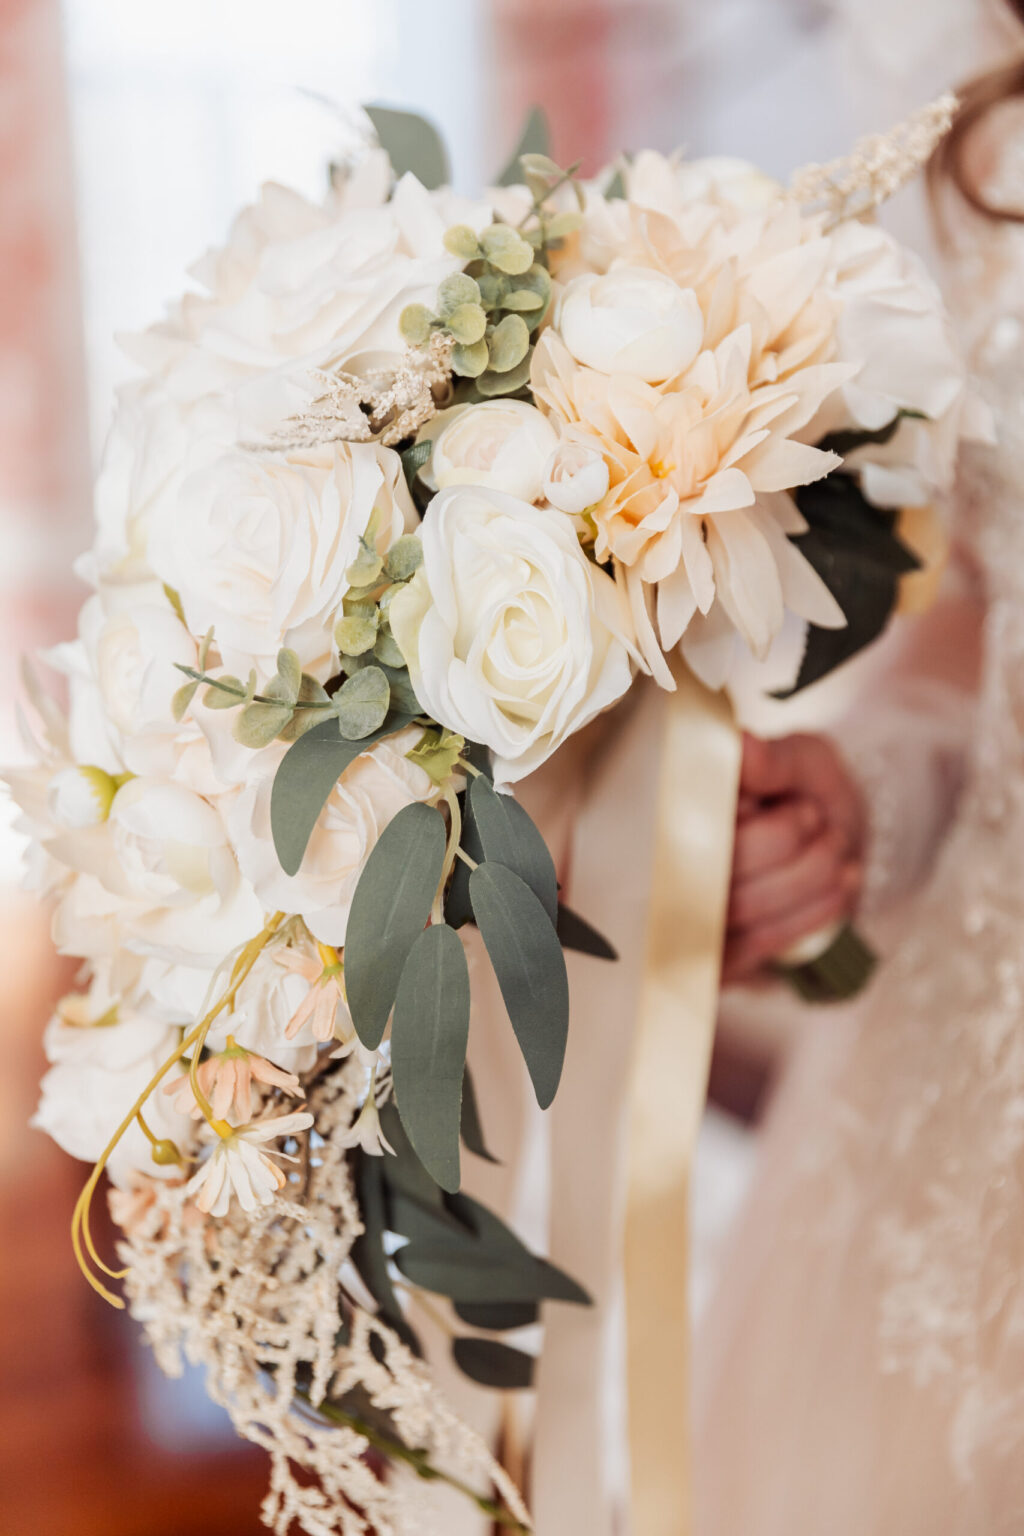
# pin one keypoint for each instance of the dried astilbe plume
(302, 1371)
(386, 406)
(878, 166)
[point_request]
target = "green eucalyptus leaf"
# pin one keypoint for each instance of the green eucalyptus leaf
(522, 299)
(509, 837)
(405, 556)
(574, 932)
(413, 145)
(472, 1130)
(389, 911)
(461, 241)
(457, 290)
(220, 698)
(414, 324)
(561, 225)
(355, 636)
(361, 703)
(366, 567)
(470, 362)
(501, 1316)
(258, 724)
(491, 384)
(289, 670)
(493, 288)
(305, 778)
(183, 697)
(429, 1035)
(530, 967)
(494, 1364)
(386, 648)
(508, 344)
(534, 139)
(505, 248)
(467, 323)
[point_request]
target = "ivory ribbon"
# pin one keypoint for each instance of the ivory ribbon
(697, 795)
(650, 867)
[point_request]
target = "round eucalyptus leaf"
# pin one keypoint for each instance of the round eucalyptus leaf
(467, 323)
(509, 344)
(414, 324)
(470, 362)
(461, 241)
(361, 703)
(456, 290)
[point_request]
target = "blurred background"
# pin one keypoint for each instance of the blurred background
(130, 133)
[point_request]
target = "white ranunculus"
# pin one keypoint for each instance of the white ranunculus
(575, 477)
(369, 793)
(667, 184)
(259, 545)
(500, 443)
(632, 320)
(513, 638)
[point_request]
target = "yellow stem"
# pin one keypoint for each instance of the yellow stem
(81, 1234)
(454, 834)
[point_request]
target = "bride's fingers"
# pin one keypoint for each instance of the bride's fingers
(767, 838)
(811, 874)
(748, 952)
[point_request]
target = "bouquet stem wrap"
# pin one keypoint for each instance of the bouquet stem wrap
(625, 1123)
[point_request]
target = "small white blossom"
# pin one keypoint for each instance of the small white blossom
(238, 1167)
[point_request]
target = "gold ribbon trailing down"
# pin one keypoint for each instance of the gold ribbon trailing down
(695, 819)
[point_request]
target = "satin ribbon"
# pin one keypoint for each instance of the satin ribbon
(697, 795)
(652, 854)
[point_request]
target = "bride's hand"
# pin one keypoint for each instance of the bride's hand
(798, 862)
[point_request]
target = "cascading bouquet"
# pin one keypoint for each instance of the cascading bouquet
(410, 490)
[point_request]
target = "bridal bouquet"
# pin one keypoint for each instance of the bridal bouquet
(410, 489)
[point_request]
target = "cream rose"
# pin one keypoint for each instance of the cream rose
(370, 792)
(575, 477)
(501, 443)
(513, 638)
(258, 545)
(631, 320)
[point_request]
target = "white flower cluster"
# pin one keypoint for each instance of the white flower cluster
(705, 336)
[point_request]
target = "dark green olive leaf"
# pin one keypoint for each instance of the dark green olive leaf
(413, 460)
(413, 145)
(457, 908)
(368, 1253)
(857, 552)
(429, 1034)
(308, 772)
(501, 1317)
(847, 442)
(388, 914)
(472, 1130)
(405, 1177)
(492, 1231)
(494, 1364)
(509, 837)
(530, 967)
(574, 932)
(534, 139)
(361, 703)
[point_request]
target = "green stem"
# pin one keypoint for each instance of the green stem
(418, 1460)
(240, 693)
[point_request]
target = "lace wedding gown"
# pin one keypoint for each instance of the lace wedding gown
(863, 1371)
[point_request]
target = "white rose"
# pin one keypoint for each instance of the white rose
(172, 886)
(667, 185)
(258, 546)
(369, 793)
(575, 477)
(513, 638)
(501, 443)
(894, 328)
(81, 796)
(631, 320)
